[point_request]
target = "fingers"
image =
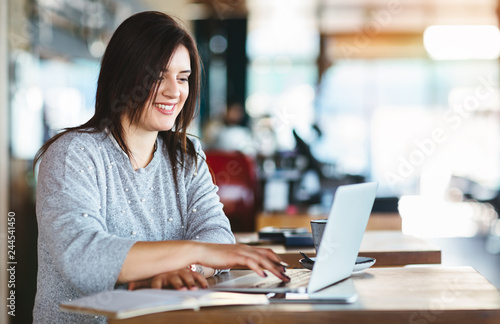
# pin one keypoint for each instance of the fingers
(269, 254)
(195, 280)
(173, 281)
(192, 280)
(272, 262)
(139, 284)
(250, 263)
(275, 269)
(274, 258)
(259, 259)
(183, 279)
(230, 255)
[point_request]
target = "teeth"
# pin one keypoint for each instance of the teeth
(165, 107)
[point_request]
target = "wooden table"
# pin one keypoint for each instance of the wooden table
(389, 248)
(377, 221)
(414, 295)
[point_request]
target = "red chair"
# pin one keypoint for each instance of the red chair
(236, 175)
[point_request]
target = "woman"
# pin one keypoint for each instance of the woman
(127, 198)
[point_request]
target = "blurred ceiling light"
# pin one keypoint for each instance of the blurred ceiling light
(34, 98)
(472, 99)
(462, 42)
(97, 48)
(257, 105)
(218, 44)
(51, 4)
(58, 113)
(282, 27)
(432, 217)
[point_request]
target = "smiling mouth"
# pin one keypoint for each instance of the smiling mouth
(165, 107)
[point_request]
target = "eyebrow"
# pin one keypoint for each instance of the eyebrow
(184, 71)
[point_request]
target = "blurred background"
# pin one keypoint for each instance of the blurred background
(307, 95)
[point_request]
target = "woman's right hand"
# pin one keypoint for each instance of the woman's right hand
(224, 256)
(149, 259)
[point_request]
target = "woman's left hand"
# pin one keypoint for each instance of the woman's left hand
(183, 279)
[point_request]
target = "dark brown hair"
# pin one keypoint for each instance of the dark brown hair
(140, 48)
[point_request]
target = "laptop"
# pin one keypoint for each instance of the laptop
(335, 260)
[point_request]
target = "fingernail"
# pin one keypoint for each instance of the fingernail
(284, 275)
(265, 274)
(284, 264)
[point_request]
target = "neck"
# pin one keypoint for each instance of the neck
(141, 144)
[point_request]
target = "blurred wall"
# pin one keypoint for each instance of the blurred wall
(21, 31)
(3, 154)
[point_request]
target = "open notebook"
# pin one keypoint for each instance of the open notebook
(120, 304)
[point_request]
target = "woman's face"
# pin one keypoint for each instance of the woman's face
(162, 110)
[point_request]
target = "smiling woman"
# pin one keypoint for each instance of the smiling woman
(173, 90)
(161, 110)
(127, 198)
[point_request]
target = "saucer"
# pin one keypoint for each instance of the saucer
(362, 263)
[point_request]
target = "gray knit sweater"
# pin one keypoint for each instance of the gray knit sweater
(92, 207)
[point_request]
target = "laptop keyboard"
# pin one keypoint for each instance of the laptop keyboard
(299, 278)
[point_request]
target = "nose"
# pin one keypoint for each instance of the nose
(170, 88)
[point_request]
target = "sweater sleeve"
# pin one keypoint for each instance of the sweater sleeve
(206, 219)
(72, 229)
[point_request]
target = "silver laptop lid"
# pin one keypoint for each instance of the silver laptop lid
(343, 234)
